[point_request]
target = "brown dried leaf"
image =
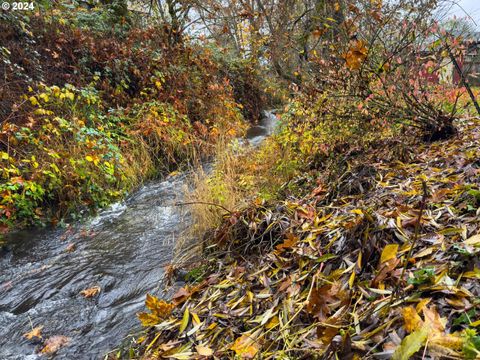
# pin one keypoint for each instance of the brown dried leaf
(70, 247)
(54, 343)
(181, 296)
(288, 243)
(319, 299)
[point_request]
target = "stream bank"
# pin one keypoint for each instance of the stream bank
(123, 250)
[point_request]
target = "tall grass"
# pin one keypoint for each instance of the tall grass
(239, 175)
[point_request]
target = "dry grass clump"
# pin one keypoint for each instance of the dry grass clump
(239, 175)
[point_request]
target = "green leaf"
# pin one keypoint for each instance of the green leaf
(422, 276)
(471, 346)
(465, 318)
(411, 344)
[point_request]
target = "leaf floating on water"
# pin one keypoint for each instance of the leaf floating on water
(90, 292)
(70, 247)
(35, 333)
(54, 343)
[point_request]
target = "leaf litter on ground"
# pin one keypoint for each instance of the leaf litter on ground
(363, 270)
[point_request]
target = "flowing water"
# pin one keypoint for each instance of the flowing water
(122, 250)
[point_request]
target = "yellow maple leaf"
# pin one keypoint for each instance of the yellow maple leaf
(159, 311)
(158, 307)
(432, 328)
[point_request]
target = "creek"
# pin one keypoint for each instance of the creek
(123, 250)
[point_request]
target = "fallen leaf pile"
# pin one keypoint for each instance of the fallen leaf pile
(382, 265)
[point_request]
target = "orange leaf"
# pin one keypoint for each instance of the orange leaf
(36, 332)
(356, 55)
(288, 243)
(246, 346)
(159, 310)
(412, 319)
(158, 307)
(90, 292)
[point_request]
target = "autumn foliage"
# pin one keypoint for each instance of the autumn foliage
(87, 114)
(355, 232)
